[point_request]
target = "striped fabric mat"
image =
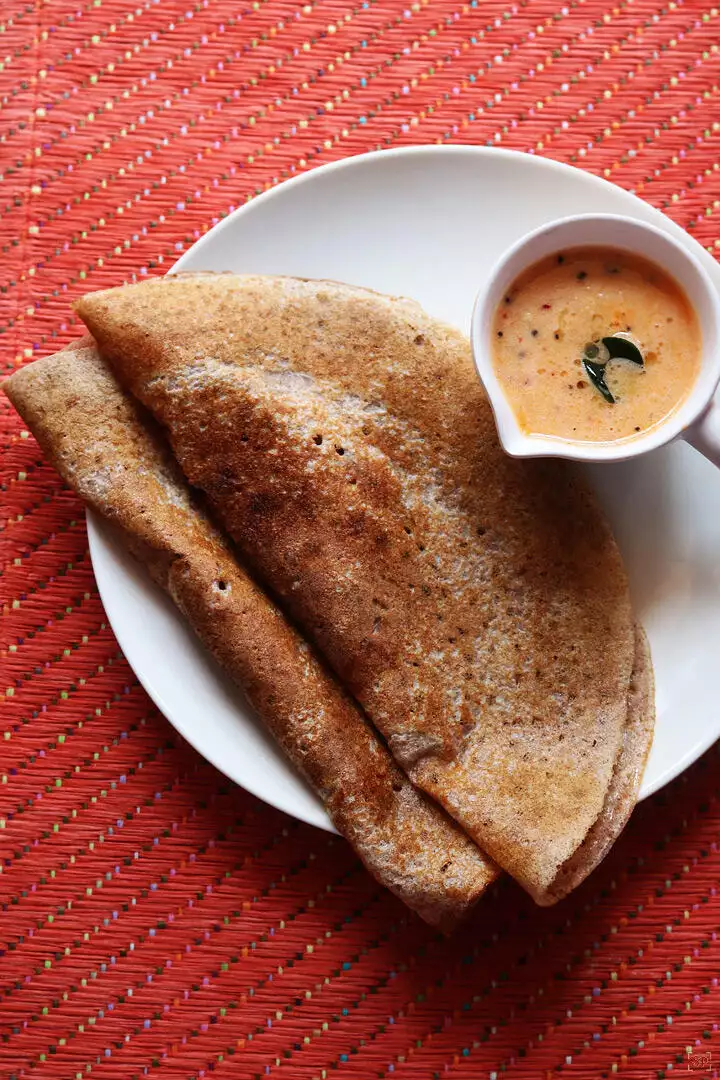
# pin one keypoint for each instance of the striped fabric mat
(156, 920)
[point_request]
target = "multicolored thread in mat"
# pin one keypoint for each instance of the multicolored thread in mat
(155, 919)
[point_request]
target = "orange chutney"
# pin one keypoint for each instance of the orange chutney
(558, 348)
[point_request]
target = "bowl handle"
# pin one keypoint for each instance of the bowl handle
(704, 434)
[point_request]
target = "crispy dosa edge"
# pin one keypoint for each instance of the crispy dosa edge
(91, 432)
(160, 329)
(623, 791)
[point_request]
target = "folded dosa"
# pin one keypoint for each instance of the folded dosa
(476, 607)
(111, 455)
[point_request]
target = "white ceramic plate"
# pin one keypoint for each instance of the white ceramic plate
(428, 223)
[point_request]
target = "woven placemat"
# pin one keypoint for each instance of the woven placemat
(156, 920)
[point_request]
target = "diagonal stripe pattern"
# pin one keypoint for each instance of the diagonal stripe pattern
(156, 920)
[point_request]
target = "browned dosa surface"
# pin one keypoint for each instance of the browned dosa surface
(622, 793)
(92, 432)
(476, 607)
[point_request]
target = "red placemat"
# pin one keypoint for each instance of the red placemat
(155, 919)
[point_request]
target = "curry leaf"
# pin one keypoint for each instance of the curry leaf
(596, 374)
(622, 348)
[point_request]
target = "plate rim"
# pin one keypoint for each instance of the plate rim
(416, 150)
(98, 530)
